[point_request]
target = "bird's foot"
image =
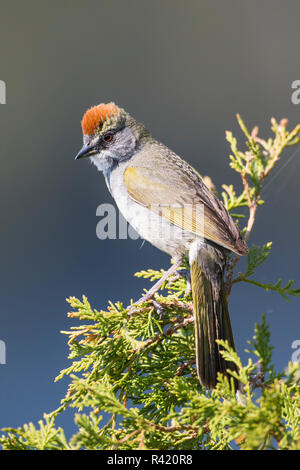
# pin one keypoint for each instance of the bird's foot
(150, 294)
(159, 308)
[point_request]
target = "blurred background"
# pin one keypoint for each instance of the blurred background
(182, 68)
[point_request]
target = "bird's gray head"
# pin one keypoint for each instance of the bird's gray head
(109, 135)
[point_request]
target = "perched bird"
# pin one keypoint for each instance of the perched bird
(167, 203)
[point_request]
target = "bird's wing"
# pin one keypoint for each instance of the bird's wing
(177, 193)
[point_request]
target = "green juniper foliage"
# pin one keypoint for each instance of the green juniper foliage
(132, 377)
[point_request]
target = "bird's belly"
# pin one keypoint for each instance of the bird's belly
(150, 226)
(158, 231)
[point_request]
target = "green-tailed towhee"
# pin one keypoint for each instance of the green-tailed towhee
(167, 203)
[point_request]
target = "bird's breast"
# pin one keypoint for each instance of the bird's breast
(149, 225)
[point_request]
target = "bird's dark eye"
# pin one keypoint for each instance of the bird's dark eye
(108, 136)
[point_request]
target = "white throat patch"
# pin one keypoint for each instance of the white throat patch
(103, 161)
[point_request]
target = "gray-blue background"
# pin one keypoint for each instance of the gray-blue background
(182, 68)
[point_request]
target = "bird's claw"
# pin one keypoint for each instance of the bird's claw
(158, 307)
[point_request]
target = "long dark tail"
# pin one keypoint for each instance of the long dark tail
(211, 318)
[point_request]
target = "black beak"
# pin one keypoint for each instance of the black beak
(86, 151)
